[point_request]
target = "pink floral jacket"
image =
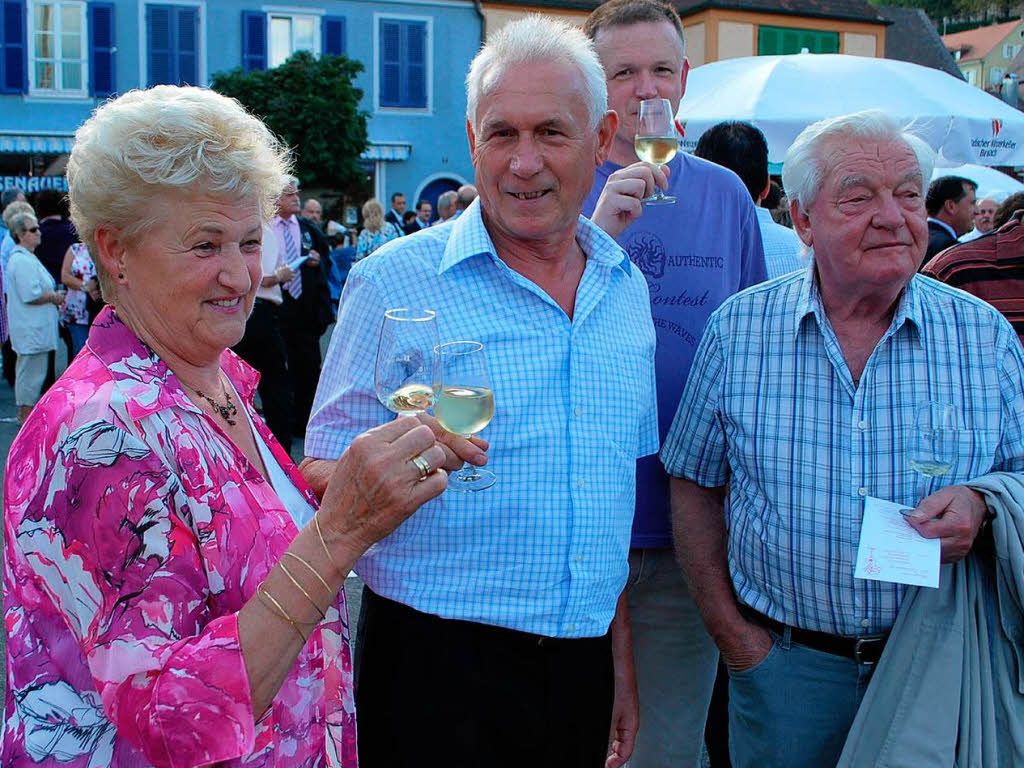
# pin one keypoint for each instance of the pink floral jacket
(135, 532)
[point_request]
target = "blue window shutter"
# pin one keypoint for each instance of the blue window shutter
(160, 45)
(333, 31)
(254, 40)
(391, 64)
(187, 29)
(416, 64)
(102, 72)
(13, 47)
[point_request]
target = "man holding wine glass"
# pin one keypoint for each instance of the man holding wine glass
(811, 396)
(697, 250)
(493, 626)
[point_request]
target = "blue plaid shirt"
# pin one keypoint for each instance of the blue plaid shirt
(545, 549)
(772, 409)
(782, 246)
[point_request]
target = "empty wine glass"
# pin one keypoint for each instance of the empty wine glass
(464, 403)
(656, 140)
(405, 369)
(933, 449)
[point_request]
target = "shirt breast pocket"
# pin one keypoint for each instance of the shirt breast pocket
(628, 398)
(974, 454)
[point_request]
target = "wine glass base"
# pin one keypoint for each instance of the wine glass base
(664, 200)
(477, 481)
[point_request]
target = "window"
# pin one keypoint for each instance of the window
(58, 47)
(1010, 50)
(772, 41)
(403, 48)
(972, 76)
(289, 33)
(172, 45)
(995, 76)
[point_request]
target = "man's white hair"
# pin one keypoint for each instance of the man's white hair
(803, 172)
(532, 39)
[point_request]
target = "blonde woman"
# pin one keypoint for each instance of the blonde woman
(172, 588)
(376, 231)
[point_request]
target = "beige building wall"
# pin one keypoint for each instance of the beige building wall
(695, 51)
(735, 39)
(857, 44)
(496, 17)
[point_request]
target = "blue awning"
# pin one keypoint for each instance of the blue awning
(390, 151)
(27, 144)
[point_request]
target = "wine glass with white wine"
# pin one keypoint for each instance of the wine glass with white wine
(405, 369)
(935, 438)
(656, 140)
(464, 403)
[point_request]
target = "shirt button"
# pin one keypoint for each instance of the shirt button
(571, 628)
(862, 491)
(865, 623)
(862, 424)
(578, 411)
(581, 482)
(579, 557)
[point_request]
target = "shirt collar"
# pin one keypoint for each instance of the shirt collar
(944, 225)
(469, 237)
(149, 384)
(281, 221)
(908, 310)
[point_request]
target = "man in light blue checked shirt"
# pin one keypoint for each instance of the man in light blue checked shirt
(802, 402)
(486, 620)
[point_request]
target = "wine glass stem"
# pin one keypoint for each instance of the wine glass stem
(468, 473)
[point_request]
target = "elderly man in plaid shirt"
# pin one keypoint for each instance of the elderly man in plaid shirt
(802, 403)
(484, 636)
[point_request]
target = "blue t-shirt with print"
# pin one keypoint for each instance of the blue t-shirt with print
(695, 254)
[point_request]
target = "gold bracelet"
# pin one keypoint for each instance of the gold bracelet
(316, 522)
(311, 569)
(277, 610)
(301, 589)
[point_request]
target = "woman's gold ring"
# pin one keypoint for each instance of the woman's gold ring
(423, 466)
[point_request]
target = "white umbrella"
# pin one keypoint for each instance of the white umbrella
(782, 95)
(992, 184)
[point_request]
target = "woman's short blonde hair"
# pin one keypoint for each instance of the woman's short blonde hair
(168, 138)
(13, 210)
(20, 224)
(373, 215)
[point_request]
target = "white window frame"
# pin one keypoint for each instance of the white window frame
(57, 92)
(972, 76)
(292, 13)
(426, 111)
(204, 79)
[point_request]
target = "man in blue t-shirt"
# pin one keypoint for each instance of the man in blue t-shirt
(695, 254)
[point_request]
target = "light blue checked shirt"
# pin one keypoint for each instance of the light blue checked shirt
(782, 246)
(771, 409)
(545, 549)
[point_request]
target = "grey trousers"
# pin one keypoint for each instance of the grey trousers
(676, 663)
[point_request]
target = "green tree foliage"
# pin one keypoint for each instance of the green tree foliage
(312, 105)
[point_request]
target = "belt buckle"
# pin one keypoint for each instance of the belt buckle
(861, 644)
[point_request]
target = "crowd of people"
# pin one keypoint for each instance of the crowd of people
(693, 405)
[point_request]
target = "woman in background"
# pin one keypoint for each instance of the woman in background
(375, 230)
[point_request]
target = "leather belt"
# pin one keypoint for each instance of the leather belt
(864, 650)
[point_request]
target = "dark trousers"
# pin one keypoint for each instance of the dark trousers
(9, 361)
(262, 347)
(302, 342)
(432, 691)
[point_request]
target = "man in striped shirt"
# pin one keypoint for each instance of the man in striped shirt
(991, 268)
(802, 400)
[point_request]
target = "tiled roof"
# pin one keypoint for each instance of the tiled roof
(912, 37)
(853, 10)
(978, 43)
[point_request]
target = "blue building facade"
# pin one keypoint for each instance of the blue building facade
(60, 58)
